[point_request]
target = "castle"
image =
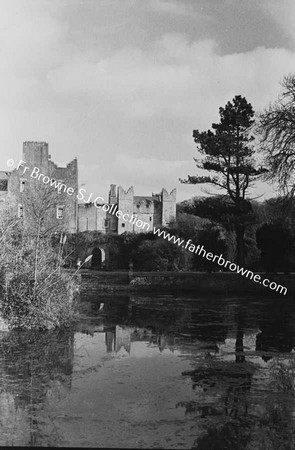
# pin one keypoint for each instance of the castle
(157, 210)
(65, 207)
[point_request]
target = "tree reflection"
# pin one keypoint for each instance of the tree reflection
(277, 337)
(36, 367)
(228, 412)
(277, 331)
(279, 405)
(227, 384)
(238, 402)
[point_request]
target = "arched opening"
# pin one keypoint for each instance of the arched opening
(98, 258)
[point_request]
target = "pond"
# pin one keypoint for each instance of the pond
(156, 371)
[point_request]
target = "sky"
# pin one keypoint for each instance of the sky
(122, 84)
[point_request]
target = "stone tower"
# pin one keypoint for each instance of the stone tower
(111, 218)
(168, 206)
(125, 204)
(35, 154)
(25, 189)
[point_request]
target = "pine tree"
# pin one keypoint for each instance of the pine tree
(229, 153)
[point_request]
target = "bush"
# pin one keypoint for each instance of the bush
(50, 304)
(35, 292)
(212, 240)
(156, 255)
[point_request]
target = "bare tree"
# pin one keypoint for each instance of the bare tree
(276, 129)
(40, 202)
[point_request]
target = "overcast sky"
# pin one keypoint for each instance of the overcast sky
(121, 84)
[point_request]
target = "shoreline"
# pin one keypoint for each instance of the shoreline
(170, 282)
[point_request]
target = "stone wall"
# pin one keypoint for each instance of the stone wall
(143, 209)
(92, 218)
(157, 210)
(3, 188)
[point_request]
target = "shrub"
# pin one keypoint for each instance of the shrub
(48, 304)
(35, 292)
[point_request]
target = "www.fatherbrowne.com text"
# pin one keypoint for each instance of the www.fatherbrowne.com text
(220, 260)
(199, 250)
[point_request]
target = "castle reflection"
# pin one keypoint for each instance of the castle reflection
(231, 359)
(169, 323)
(119, 338)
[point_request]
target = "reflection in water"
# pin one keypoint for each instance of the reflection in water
(161, 371)
(35, 368)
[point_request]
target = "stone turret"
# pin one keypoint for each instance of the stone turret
(112, 194)
(36, 154)
(125, 204)
(168, 206)
(111, 218)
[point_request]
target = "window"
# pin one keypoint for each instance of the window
(20, 211)
(150, 218)
(22, 185)
(106, 223)
(59, 212)
(123, 225)
(3, 185)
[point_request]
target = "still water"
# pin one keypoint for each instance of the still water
(155, 372)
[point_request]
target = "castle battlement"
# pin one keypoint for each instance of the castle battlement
(169, 196)
(129, 193)
(74, 162)
(34, 143)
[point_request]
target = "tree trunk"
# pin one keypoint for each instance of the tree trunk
(240, 357)
(240, 233)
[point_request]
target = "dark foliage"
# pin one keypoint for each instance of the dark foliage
(275, 242)
(218, 209)
(212, 241)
